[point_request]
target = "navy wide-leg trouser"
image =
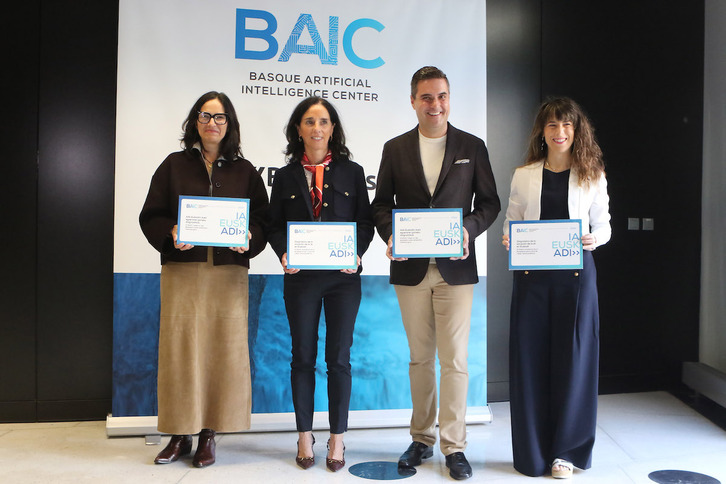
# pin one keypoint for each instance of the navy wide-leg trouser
(554, 353)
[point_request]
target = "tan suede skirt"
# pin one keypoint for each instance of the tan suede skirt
(204, 365)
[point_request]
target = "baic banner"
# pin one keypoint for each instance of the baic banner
(267, 57)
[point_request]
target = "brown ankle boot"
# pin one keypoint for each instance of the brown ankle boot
(178, 446)
(205, 449)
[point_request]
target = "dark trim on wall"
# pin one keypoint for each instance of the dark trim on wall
(73, 410)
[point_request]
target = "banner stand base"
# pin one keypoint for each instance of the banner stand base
(285, 422)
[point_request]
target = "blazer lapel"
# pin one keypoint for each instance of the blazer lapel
(573, 197)
(302, 182)
(449, 155)
(535, 190)
(412, 159)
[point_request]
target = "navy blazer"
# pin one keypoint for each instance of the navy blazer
(466, 176)
(345, 199)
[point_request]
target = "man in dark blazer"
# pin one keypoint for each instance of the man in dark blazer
(436, 165)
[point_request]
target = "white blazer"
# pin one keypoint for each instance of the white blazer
(589, 204)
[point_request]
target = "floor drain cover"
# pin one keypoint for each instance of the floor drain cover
(681, 477)
(381, 471)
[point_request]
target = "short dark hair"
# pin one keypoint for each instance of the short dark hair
(427, 72)
(230, 145)
(295, 146)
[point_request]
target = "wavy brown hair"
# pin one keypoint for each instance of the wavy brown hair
(587, 158)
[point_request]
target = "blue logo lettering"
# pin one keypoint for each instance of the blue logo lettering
(348, 42)
(292, 47)
(243, 33)
(305, 21)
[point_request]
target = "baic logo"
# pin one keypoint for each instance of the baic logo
(327, 56)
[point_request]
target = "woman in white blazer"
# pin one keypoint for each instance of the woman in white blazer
(554, 341)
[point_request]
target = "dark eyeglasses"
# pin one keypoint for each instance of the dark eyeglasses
(205, 117)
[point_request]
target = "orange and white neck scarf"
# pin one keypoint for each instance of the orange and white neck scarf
(316, 187)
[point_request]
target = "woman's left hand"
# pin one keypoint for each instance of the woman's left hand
(588, 242)
(242, 250)
(351, 271)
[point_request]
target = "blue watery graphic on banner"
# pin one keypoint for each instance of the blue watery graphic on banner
(379, 356)
(135, 344)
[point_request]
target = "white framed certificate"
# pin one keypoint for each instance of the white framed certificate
(213, 221)
(545, 244)
(430, 232)
(322, 245)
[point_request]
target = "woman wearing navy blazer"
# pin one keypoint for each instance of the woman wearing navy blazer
(554, 342)
(319, 183)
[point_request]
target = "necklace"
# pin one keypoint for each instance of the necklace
(549, 167)
(204, 157)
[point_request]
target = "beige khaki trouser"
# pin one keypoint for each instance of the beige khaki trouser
(437, 316)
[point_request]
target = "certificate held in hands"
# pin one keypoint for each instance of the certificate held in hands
(424, 233)
(322, 245)
(545, 244)
(213, 221)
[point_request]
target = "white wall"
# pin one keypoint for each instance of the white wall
(713, 256)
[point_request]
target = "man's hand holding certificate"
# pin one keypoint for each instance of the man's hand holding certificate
(214, 221)
(545, 244)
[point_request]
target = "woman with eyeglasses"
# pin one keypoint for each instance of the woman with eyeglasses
(319, 184)
(204, 369)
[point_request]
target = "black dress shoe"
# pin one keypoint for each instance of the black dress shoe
(178, 446)
(414, 454)
(204, 456)
(459, 467)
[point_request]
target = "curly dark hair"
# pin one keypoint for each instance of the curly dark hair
(295, 147)
(587, 158)
(230, 145)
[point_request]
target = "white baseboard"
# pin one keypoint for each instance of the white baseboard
(285, 422)
(706, 380)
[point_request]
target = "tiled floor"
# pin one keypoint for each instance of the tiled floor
(637, 434)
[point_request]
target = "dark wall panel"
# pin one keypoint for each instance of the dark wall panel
(639, 73)
(19, 36)
(513, 94)
(77, 103)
